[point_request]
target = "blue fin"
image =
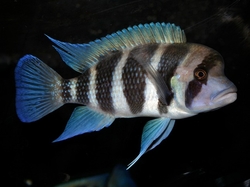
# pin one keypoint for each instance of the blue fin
(77, 56)
(36, 94)
(82, 56)
(153, 133)
(85, 120)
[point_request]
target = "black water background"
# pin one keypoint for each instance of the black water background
(214, 144)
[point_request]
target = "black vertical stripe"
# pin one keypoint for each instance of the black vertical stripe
(66, 90)
(210, 60)
(104, 75)
(134, 75)
(170, 59)
(82, 88)
(195, 86)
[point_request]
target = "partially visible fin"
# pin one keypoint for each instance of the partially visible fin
(82, 56)
(36, 89)
(85, 120)
(153, 133)
(97, 181)
(120, 177)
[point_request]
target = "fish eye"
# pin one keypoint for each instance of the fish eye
(200, 74)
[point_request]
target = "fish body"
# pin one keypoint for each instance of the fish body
(119, 177)
(145, 70)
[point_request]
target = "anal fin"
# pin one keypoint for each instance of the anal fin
(84, 120)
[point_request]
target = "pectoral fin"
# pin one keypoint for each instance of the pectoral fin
(153, 133)
(162, 89)
(85, 120)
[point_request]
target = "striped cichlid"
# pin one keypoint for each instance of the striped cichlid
(144, 70)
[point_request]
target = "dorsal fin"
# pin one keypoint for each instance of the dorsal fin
(82, 56)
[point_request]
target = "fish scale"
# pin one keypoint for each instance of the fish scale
(134, 96)
(145, 70)
(104, 78)
(83, 88)
(119, 101)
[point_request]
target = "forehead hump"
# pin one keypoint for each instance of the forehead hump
(213, 58)
(202, 56)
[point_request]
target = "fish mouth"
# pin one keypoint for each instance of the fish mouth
(225, 96)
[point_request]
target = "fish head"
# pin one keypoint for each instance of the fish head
(199, 83)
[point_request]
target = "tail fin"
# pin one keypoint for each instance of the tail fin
(37, 89)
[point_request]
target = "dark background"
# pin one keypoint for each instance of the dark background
(211, 149)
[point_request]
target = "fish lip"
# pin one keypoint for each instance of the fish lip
(228, 94)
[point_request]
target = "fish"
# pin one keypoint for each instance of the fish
(119, 177)
(147, 70)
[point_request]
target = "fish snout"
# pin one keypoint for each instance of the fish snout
(226, 95)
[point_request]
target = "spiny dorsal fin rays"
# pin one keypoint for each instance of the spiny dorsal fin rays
(82, 56)
(158, 34)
